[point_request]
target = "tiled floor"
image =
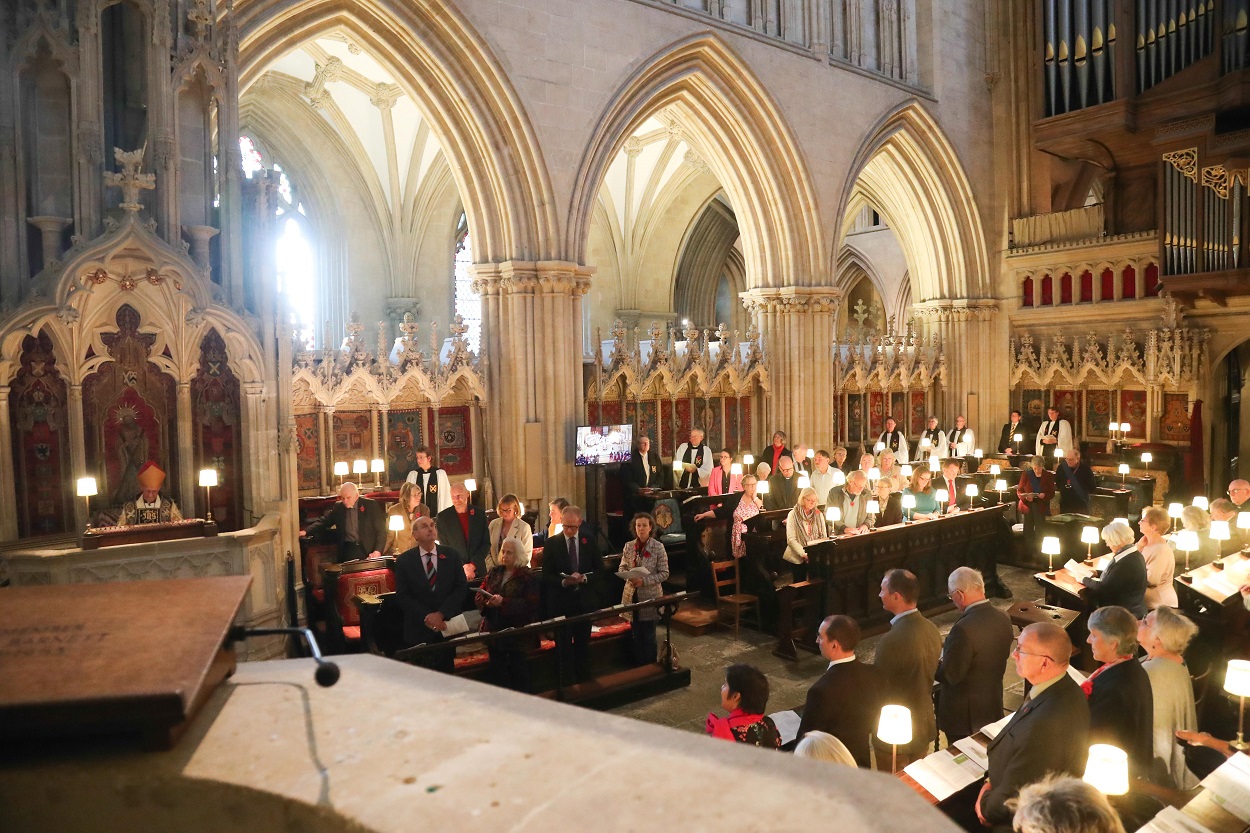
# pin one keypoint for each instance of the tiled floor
(707, 656)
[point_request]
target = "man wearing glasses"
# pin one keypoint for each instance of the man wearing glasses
(1049, 733)
(1239, 494)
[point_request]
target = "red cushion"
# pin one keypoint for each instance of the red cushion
(609, 630)
(374, 582)
(472, 660)
(351, 633)
(319, 594)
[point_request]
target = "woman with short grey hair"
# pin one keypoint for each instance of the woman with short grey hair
(1124, 580)
(1064, 805)
(1121, 708)
(1165, 634)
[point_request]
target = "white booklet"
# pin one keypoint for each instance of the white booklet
(1173, 820)
(1078, 570)
(975, 751)
(991, 731)
(634, 572)
(944, 774)
(1230, 786)
(462, 624)
(787, 724)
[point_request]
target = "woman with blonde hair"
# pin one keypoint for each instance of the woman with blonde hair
(822, 746)
(1160, 560)
(804, 523)
(409, 507)
(509, 526)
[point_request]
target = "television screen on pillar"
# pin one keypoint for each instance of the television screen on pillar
(600, 444)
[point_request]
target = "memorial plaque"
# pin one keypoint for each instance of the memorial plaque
(134, 658)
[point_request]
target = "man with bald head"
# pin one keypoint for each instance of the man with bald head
(1049, 733)
(1239, 494)
(358, 524)
(1074, 481)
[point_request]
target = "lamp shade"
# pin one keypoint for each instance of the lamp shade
(396, 523)
(748, 459)
(874, 473)
(1120, 521)
(470, 484)
(1146, 457)
(1187, 540)
(677, 465)
(978, 454)
(341, 469)
(1243, 520)
(995, 470)
(87, 487)
(1175, 509)
(971, 490)
(1106, 769)
(839, 479)
(1089, 535)
(906, 470)
(924, 442)
(833, 514)
(559, 528)
(735, 469)
(1124, 468)
(879, 447)
(1202, 503)
(208, 477)
(894, 725)
(909, 501)
(873, 507)
(1000, 485)
(934, 464)
(1017, 437)
(805, 482)
(360, 466)
(762, 488)
(1058, 451)
(942, 496)
(1050, 545)
(811, 452)
(1237, 678)
(377, 465)
(1220, 531)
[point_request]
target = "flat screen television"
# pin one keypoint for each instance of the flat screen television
(600, 444)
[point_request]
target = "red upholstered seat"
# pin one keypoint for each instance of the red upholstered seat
(351, 633)
(373, 581)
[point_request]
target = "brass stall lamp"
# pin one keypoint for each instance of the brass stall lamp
(995, 470)
(1146, 457)
(471, 485)
(1202, 503)
(1174, 512)
(1243, 523)
(1220, 532)
(340, 469)
(1058, 453)
(87, 490)
(935, 465)
(762, 488)
(395, 523)
(978, 454)
(942, 496)
(1000, 486)
(839, 478)
(811, 453)
(833, 514)
(748, 459)
(879, 447)
(906, 470)
(1089, 537)
(360, 467)
(873, 508)
(1237, 683)
(377, 466)
(1017, 438)
(1187, 540)
(909, 504)
(971, 491)
(805, 482)
(894, 727)
(874, 474)
(1106, 769)
(208, 479)
(1124, 470)
(735, 469)
(1050, 548)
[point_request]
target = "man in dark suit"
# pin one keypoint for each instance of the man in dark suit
(645, 470)
(974, 659)
(1074, 481)
(571, 581)
(783, 487)
(1123, 582)
(1006, 438)
(463, 528)
(907, 657)
(1048, 734)
(846, 701)
(358, 523)
(429, 588)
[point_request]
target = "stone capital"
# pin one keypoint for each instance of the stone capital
(958, 310)
(792, 299)
(542, 277)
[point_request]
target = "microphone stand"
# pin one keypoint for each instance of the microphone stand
(327, 673)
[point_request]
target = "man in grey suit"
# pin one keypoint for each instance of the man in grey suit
(974, 659)
(908, 656)
(1048, 734)
(851, 500)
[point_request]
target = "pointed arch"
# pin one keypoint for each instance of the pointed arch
(909, 171)
(725, 112)
(460, 89)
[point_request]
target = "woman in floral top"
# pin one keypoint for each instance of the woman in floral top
(745, 696)
(644, 551)
(747, 507)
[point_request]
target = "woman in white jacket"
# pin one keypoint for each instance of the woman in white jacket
(804, 523)
(509, 525)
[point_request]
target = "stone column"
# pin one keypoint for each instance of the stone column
(380, 441)
(198, 237)
(8, 494)
(974, 346)
(797, 323)
(260, 441)
(532, 334)
(188, 473)
(50, 229)
(78, 454)
(329, 483)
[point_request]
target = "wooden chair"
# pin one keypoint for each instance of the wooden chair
(736, 601)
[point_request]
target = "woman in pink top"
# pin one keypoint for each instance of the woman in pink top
(722, 481)
(1160, 560)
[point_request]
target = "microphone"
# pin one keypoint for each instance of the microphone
(327, 673)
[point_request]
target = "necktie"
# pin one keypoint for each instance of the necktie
(431, 573)
(950, 492)
(572, 553)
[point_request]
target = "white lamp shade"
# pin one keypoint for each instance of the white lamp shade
(942, 495)
(1124, 469)
(1202, 503)
(559, 528)
(396, 523)
(735, 469)
(978, 453)
(909, 501)
(905, 471)
(879, 447)
(1017, 437)
(874, 473)
(1175, 509)
(839, 479)
(208, 477)
(1058, 451)
(833, 514)
(1089, 535)
(377, 466)
(971, 490)
(1050, 545)
(873, 507)
(934, 464)
(1187, 540)
(811, 452)
(1120, 521)
(1146, 457)
(470, 484)
(677, 465)
(1220, 531)
(360, 466)
(924, 442)
(762, 488)
(341, 469)
(748, 459)
(1000, 485)
(805, 482)
(1237, 678)
(87, 487)
(1106, 769)
(995, 470)
(1243, 520)
(894, 726)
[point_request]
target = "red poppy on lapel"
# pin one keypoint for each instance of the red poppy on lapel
(472, 511)
(441, 556)
(583, 540)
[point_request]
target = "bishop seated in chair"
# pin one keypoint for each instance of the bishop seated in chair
(149, 507)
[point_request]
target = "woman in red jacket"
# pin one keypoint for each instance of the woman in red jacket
(1036, 488)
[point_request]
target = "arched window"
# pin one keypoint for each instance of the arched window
(468, 304)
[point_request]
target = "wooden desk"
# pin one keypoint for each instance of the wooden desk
(115, 536)
(1213, 600)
